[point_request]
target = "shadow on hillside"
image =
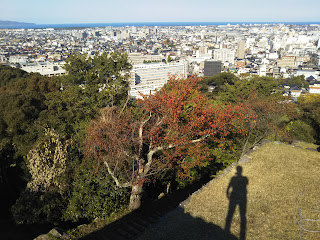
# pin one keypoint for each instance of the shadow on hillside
(135, 223)
(184, 227)
(187, 227)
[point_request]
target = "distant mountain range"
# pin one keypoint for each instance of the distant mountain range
(13, 23)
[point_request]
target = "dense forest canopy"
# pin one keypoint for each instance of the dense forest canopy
(77, 147)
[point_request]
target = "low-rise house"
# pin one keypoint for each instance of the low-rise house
(314, 87)
(284, 85)
(311, 79)
(295, 91)
(286, 93)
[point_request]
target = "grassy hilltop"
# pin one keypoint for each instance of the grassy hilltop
(283, 188)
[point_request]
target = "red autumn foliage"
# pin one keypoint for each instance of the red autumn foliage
(173, 124)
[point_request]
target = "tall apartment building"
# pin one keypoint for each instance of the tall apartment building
(223, 55)
(148, 78)
(212, 67)
(241, 49)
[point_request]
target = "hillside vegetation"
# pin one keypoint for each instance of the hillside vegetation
(78, 148)
(283, 190)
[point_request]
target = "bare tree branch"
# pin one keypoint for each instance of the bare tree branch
(118, 184)
(125, 105)
(141, 133)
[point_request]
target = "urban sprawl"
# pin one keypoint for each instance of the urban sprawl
(274, 50)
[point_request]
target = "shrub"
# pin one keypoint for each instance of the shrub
(302, 131)
(94, 195)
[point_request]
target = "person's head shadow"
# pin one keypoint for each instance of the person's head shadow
(237, 195)
(239, 171)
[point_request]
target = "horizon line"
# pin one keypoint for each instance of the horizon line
(208, 21)
(186, 22)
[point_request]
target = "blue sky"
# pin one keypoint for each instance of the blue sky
(106, 11)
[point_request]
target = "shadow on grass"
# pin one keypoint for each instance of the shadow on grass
(186, 227)
(237, 197)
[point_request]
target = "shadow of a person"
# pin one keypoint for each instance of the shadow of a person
(238, 196)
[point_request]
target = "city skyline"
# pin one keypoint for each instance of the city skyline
(98, 11)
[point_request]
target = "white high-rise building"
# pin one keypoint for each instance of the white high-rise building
(204, 52)
(148, 78)
(224, 55)
(262, 70)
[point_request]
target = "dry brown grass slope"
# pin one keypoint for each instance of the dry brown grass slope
(283, 188)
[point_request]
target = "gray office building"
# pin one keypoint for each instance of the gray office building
(212, 68)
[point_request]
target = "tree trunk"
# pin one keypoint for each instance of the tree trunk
(135, 197)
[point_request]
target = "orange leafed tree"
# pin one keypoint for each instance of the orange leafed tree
(173, 124)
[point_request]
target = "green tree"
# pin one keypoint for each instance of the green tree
(260, 95)
(91, 84)
(31, 103)
(21, 102)
(94, 194)
(309, 118)
(298, 80)
(302, 131)
(101, 69)
(224, 78)
(242, 89)
(22, 98)
(9, 74)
